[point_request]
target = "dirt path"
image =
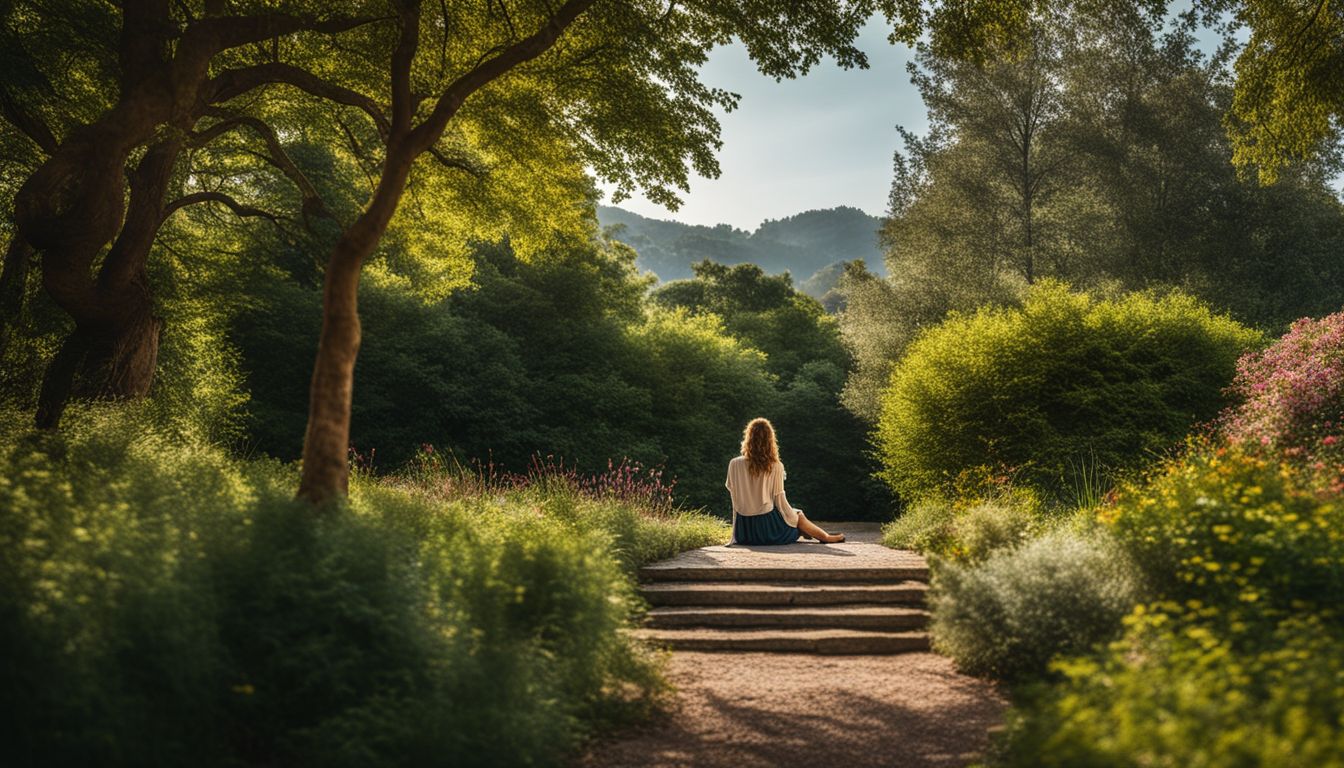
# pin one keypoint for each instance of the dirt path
(744, 709)
(765, 709)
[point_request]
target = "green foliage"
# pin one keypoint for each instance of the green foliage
(1067, 376)
(1231, 529)
(1108, 180)
(763, 310)
(559, 355)
(926, 526)
(880, 320)
(822, 444)
(1287, 105)
(990, 526)
(1178, 694)
(165, 604)
(1239, 662)
(633, 508)
(1059, 594)
(554, 355)
(969, 529)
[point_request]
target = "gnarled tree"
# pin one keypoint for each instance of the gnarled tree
(92, 207)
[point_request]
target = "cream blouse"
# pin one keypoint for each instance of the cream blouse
(759, 494)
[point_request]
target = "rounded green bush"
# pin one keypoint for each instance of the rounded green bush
(1007, 617)
(1055, 389)
(925, 526)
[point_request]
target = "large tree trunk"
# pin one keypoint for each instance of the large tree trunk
(111, 358)
(326, 469)
(326, 443)
(113, 351)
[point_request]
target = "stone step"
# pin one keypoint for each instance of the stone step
(871, 617)
(783, 593)
(881, 574)
(827, 641)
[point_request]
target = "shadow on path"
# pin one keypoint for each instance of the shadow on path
(754, 709)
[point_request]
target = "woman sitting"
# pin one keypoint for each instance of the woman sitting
(761, 513)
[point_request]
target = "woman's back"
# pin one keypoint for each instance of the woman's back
(753, 494)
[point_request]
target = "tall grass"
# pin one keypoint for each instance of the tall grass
(162, 603)
(1088, 480)
(627, 502)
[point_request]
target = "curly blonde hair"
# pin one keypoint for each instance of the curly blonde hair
(759, 446)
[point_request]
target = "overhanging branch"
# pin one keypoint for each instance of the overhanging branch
(218, 197)
(235, 82)
(233, 31)
(530, 47)
(32, 126)
(312, 201)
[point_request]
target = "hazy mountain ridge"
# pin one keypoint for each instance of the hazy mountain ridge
(802, 244)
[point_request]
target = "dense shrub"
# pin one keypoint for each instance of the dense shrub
(927, 526)
(1007, 617)
(162, 604)
(991, 526)
(1177, 694)
(1292, 394)
(962, 532)
(1229, 528)
(633, 505)
(1068, 378)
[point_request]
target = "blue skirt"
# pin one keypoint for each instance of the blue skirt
(769, 528)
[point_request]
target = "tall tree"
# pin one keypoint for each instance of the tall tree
(1002, 114)
(1139, 188)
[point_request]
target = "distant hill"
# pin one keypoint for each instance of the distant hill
(802, 245)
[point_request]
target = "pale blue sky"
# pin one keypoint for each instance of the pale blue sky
(817, 142)
(820, 141)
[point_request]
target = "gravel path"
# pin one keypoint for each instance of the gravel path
(774, 710)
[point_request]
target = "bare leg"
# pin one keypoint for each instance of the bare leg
(812, 529)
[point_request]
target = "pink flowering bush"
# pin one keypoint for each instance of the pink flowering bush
(1292, 394)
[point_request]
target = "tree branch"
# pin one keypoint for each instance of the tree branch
(234, 82)
(403, 56)
(312, 201)
(225, 32)
(142, 43)
(530, 47)
(456, 163)
(218, 197)
(30, 124)
(126, 259)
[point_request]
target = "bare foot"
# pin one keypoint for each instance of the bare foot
(834, 538)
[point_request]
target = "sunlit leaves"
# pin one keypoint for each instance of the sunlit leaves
(1290, 84)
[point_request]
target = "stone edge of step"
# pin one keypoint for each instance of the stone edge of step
(762, 594)
(859, 616)
(884, 574)
(811, 640)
